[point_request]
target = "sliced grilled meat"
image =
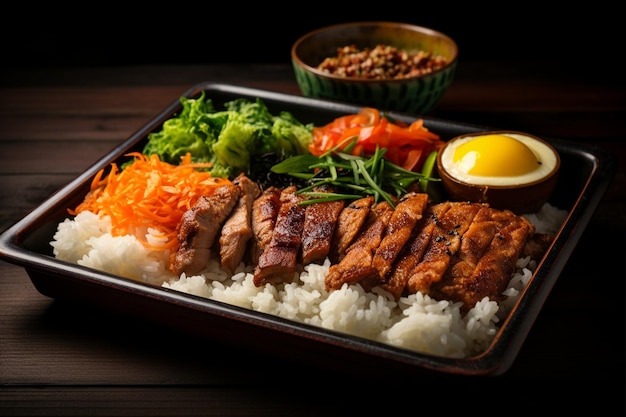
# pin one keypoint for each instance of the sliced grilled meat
(350, 221)
(537, 245)
(199, 228)
(237, 229)
(320, 221)
(279, 260)
(493, 269)
(395, 281)
(357, 265)
(264, 212)
(457, 251)
(480, 233)
(444, 243)
(399, 230)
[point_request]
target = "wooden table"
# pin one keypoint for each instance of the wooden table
(60, 359)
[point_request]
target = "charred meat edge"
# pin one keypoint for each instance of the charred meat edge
(199, 227)
(237, 229)
(320, 222)
(458, 251)
(357, 264)
(279, 260)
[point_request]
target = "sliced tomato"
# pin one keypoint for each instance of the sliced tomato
(407, 144)
(323, 140)
(368, 116)
(376, 135)
(413, 159)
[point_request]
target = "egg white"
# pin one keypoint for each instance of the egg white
(544, 153)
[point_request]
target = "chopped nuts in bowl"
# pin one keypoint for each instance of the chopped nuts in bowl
(388, 65)
(382, 62)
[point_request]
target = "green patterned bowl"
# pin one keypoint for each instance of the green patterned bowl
(415, 95)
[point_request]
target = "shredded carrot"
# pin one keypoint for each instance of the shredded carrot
(407, 145)
(149, 194)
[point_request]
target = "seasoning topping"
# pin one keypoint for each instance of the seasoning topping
(381, 62)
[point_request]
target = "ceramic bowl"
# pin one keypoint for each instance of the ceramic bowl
(415, 94)
(522, 193)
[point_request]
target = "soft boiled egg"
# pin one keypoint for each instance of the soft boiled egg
(506, 169)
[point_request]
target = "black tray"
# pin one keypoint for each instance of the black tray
(586, 172)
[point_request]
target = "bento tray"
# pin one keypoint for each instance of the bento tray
(586, 172)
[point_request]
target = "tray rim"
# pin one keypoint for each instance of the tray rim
(495, 360)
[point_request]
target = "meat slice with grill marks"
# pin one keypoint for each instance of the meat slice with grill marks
(395, 281)
(357, 265)
(480, 233)
(320, 221)
(493, 268)
(199, 227)
(279, 260)
(537, 245)
(264, 213)
(444, 243)
(350, 221)
(237, 229)
(457, 251)
(399, 230)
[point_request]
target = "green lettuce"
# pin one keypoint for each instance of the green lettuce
(230, 139)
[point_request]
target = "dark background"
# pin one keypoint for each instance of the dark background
(582, 39)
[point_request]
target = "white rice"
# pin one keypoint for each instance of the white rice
(416, 322)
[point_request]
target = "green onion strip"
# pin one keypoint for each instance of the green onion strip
(355, 176)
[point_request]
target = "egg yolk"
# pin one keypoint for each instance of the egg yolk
(495, 155)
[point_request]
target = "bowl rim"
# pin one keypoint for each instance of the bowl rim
(413, 27)
(551, 175)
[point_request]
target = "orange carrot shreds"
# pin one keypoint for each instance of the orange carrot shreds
(407, 145)
(149, 196)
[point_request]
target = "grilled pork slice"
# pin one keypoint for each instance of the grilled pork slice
(350, 221)
(493, 268)
(237, 229)
(399, 230)
(199, 227)
(395, 281)
(279, 260)
(320, 220)
(481, 232)
(357, 264)
(537, 245)
(444, 243)
(264, 213)
(487, 222)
